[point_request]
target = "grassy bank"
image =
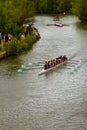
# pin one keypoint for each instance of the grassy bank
(15, 46)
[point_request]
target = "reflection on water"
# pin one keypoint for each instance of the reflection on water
(82, 26)
(55, 101)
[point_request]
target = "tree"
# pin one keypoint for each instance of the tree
(64, 6)
(80, 9)
(13, 13)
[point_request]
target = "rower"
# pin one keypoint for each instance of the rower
(46, 65)
(64, 57)
(51, 63)
(60, 59)
(54, 62)
(57, 61)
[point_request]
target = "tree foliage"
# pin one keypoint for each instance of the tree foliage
(52, 6)
(13, 12)
(80, 9)
(65, 6)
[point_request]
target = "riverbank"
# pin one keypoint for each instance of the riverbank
(2, 54)
(16, 46)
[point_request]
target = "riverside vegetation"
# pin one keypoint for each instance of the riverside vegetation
(16, 46)
(14, 13)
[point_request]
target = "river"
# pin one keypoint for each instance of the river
(53, 101)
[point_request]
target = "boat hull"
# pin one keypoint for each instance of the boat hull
(59, 24)
(43, 71)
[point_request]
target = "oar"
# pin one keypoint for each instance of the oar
(19, 70)
(28, 68)
(72, 70)
(71, 57)
(30, 65)
(37, 62)
(73, 62)
(65, 67)
(71, 65)
(76, 67)
(84, 60)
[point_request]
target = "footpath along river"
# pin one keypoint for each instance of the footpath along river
(55, 101)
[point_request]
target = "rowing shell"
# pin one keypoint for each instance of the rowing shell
(58, 65)
(56, 24)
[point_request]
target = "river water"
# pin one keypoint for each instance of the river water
(53, 101)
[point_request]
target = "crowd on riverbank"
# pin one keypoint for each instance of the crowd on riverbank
(28, 29)
(5, 38)
(12, 45)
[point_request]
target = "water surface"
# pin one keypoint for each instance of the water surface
(55, 101)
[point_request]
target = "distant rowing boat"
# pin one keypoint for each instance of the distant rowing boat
(56, 66)
(56, 24)
(59, 24)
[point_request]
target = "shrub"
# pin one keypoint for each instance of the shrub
(16, 46)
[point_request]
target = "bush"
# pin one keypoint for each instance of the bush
(1, 48)
(16, 46)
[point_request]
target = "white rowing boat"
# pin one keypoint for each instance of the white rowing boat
(55, 24)
(59, 24)
(56, 66)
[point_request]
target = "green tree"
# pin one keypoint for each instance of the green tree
(13, 13)
(52, 6)
(80, 9)
(64, 6)
(41, 6)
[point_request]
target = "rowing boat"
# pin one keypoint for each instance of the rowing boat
(59, 24)
(43, 71)
(56, 24)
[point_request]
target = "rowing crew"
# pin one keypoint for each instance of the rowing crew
(54, 62)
